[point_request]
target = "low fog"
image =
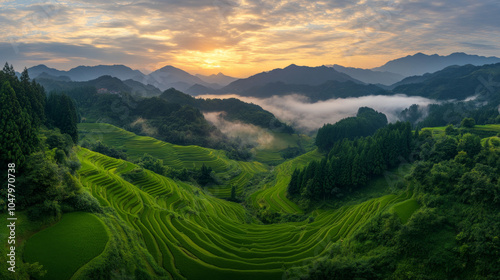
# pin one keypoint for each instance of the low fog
(307, 117)
(248, 134)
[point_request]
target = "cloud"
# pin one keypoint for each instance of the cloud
(187, 33)
(308, 117)
(247, 134)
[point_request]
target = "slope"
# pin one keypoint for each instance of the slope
(196, 236)
(232, 172)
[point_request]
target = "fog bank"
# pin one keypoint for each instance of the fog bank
(247, 134)
(306, 116)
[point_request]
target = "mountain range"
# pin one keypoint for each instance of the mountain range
(162, 79)
(318, 83)
(369, 76)
(419, 63)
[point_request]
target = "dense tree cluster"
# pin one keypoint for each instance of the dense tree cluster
(366, 122)
(61, 113)
(45, 161)
(202, 176)
(453, 113)
(21, 112)
(105, 150)
(351, 163)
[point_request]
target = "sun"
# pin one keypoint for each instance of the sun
(208, 60)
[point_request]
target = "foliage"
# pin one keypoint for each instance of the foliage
(21, 113)
(351, 163)
(61, 113)
(435, 115)
(366, 122)
(105, 150)
(156, 165)
(468, 123)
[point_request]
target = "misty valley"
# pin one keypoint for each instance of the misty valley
(300, 172)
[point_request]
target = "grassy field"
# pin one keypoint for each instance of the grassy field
(194, 235)
(68, 245)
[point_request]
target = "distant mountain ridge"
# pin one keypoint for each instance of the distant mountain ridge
(455, 83)
(87, 73)
(219, 79)
(317, 83)
(169, 76)
(163, 78)
(293, 74)
(370, 76)
(328, 90)
(419, 63)
(104, 83)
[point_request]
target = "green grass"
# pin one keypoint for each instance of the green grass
(194, 235)
(68, 245)
(405, 209)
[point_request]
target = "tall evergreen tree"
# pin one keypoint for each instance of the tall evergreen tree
(11, 143)
(61, 113)
(293, 186)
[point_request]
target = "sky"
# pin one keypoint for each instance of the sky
(241, 37)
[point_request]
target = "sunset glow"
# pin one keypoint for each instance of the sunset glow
(239, 37)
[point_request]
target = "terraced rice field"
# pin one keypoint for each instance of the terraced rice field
(492, 142)
(270, 153)
(68, 245)
(232, 172)
(273, 195)
(482, 131)
(194, 235)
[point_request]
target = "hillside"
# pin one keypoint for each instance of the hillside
(454, 82)
(191, 238)
(228, 171)
(293, 74)
(325, 91)
(231, 109)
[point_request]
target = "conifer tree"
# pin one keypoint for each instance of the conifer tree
(10, 137)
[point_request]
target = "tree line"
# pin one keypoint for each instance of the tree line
(352, 163)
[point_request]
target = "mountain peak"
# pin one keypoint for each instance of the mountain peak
(290, 75)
